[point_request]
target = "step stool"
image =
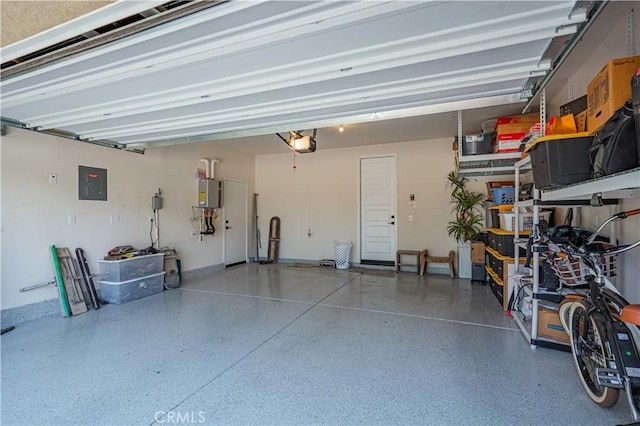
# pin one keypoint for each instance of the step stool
(417, 256)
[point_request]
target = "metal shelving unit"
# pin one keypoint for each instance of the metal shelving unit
(595, 192)
(488, 164)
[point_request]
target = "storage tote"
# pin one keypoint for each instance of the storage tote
(508, 220)
(504, 195)
(128, 291)
(131, 268)
(559, 160)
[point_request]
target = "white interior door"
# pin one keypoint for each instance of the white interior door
(235, 217)
(378, 210)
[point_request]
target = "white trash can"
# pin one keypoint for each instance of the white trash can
(343, 253)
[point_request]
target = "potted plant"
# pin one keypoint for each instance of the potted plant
(469, 219)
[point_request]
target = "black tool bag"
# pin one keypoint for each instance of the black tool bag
(635, 93)
(615, 147)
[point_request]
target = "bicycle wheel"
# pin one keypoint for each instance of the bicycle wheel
(564, 311)
(588, 353)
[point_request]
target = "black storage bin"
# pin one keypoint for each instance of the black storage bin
(493, 263)
(559, 160)
(478, 273)
(481, 143)
(495, 217)
(502, 242)
(496, 289)
(635, 89)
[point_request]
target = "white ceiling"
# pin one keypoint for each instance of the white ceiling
(245, 68)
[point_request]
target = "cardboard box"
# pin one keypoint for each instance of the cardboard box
(477, 252)
(519, 119)
(512, 136)
(609, 90)
(509, 145)
(549, 326)
(581, 121)
(505, 129)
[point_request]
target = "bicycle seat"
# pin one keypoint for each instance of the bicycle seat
(631, 314)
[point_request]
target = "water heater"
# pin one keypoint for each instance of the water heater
(210, 193)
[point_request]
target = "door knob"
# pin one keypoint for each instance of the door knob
(391, 223)
(228, 227)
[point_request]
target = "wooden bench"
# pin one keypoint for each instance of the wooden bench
(417, 255)
(425, 259)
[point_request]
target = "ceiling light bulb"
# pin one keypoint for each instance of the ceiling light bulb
(341, 129)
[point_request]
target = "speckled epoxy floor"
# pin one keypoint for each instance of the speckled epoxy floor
(276, 344)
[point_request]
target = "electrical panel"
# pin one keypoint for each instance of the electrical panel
(92, 183)
(210, 193)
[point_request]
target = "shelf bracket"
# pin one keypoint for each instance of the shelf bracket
(631, 33)
(596, 200)
(460, 133)
(543, 111)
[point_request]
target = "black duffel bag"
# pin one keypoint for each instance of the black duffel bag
(615, 147)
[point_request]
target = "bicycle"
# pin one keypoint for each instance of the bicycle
(602, 325)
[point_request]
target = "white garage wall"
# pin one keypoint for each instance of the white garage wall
(35, 213)
(322, 195)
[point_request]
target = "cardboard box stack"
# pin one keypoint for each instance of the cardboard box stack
(511, 130)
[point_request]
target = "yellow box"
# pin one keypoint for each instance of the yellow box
(609, 90)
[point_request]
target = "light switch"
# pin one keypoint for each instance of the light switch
(410, 218)
(53, 178)
(114, 219)
(71, 219)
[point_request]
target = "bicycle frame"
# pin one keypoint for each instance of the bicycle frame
(621, 368)
(620, 340)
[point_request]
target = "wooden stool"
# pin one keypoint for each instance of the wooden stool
(449, 259)
(401, 253)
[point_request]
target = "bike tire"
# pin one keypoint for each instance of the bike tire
(564, 309)
(586, 346)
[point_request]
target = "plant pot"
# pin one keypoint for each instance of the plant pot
(464, 259)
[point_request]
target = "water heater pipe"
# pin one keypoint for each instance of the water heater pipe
(207, 167)
(213, 167)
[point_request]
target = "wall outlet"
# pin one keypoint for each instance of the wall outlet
(71, 219)
(53, 178)
(410, 218)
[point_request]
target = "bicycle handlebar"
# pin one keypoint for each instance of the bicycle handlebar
(582, 251)
(617, 216)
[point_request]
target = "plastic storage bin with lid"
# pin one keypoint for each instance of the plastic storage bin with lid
(502, 241)
(481, 143)
(559, 160)
(131, 268)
